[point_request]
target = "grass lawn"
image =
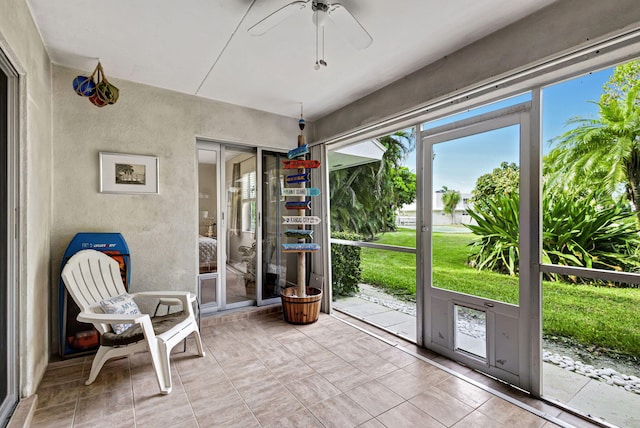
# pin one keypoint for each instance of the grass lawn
(592, 316)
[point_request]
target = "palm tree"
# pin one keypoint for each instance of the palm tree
(450, 199)
(124, 171)
(604, 150)
(362, 198)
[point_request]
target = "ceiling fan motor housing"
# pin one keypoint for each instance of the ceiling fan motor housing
(320, 5)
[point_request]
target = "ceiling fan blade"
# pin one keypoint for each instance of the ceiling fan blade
(352, 30)
(276, 17)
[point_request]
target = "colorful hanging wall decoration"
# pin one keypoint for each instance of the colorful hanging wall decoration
(96, 87)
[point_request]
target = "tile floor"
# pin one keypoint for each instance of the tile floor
(262, 372)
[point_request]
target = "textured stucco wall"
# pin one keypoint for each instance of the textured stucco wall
(161, 230)
(553, 30)
(20, 40)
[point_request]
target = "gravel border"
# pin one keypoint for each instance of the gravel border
(468, 326)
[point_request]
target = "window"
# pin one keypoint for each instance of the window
(249, 201)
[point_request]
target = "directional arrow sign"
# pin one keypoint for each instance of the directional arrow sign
(297, 178)
(295, 164)
(288, 219)
(299, 233)
(298, 151)
(298, 205)
(288, 248)
(295, 191)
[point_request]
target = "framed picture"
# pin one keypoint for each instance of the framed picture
(125, 173)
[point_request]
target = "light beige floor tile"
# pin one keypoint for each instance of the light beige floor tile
(60, 416)
(346, 377)
(478, 420)
(372, 423)
(64, 374)
(304, 347)
(406, 415)
(193, 363)
(350, 351)
(230, 349)
(375, 365)
(272, 410)
(277, 356)
(427, 371)
(312, 389)
(54, 395)
(372, 344)
(209, 389)
(189, 423)
(105, 407)
(464, 391)
(374, 397)
(168, 410)
(244, 372)
(106, 423)
(302, 418)
(232, 413)
(441, 406)
(329, 363)
(291, 370)
(397, 357)
(510, 414)
(340, 411)
(261, 390)
(111, 380)
(405, 384)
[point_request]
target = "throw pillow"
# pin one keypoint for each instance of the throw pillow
(122, 304)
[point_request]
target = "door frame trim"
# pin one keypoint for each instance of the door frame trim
(13, 234)
(496, 119)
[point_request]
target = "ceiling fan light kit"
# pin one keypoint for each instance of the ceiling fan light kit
(324, 14)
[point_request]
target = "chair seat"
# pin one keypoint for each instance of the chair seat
(161, 324)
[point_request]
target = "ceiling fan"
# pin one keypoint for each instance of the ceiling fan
(324, 14)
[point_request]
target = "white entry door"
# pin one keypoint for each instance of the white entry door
(478, 321)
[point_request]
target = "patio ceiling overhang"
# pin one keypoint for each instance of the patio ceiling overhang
(356, 154)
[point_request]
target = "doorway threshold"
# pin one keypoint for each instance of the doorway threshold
(238, 314)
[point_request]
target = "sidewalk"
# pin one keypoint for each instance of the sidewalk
(609, 403)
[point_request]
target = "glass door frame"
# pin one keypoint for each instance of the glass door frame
(222, 226)
(11, 231)
(260, 225)
(432, 300)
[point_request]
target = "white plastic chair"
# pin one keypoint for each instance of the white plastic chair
(91, 277)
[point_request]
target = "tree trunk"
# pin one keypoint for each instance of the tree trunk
(302, 270)
(633, 175)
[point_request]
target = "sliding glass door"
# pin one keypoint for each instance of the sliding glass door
(278, 267)
(8, 240)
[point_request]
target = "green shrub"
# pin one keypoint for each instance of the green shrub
(345, 265)
(586, 234)
(498, 231)
(577, 233)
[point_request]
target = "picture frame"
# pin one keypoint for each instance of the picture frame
(128, 173)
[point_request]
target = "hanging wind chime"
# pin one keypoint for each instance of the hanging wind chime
(96, 87)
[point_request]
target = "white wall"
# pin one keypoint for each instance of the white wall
(161, 230)
(21, 42)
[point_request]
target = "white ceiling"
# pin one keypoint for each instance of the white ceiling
(201, 47)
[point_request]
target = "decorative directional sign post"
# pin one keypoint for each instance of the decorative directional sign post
(300, 305)
(296, 160)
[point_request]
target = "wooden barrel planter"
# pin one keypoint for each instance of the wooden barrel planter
(301, 310)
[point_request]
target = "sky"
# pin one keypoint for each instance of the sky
(459, 163)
